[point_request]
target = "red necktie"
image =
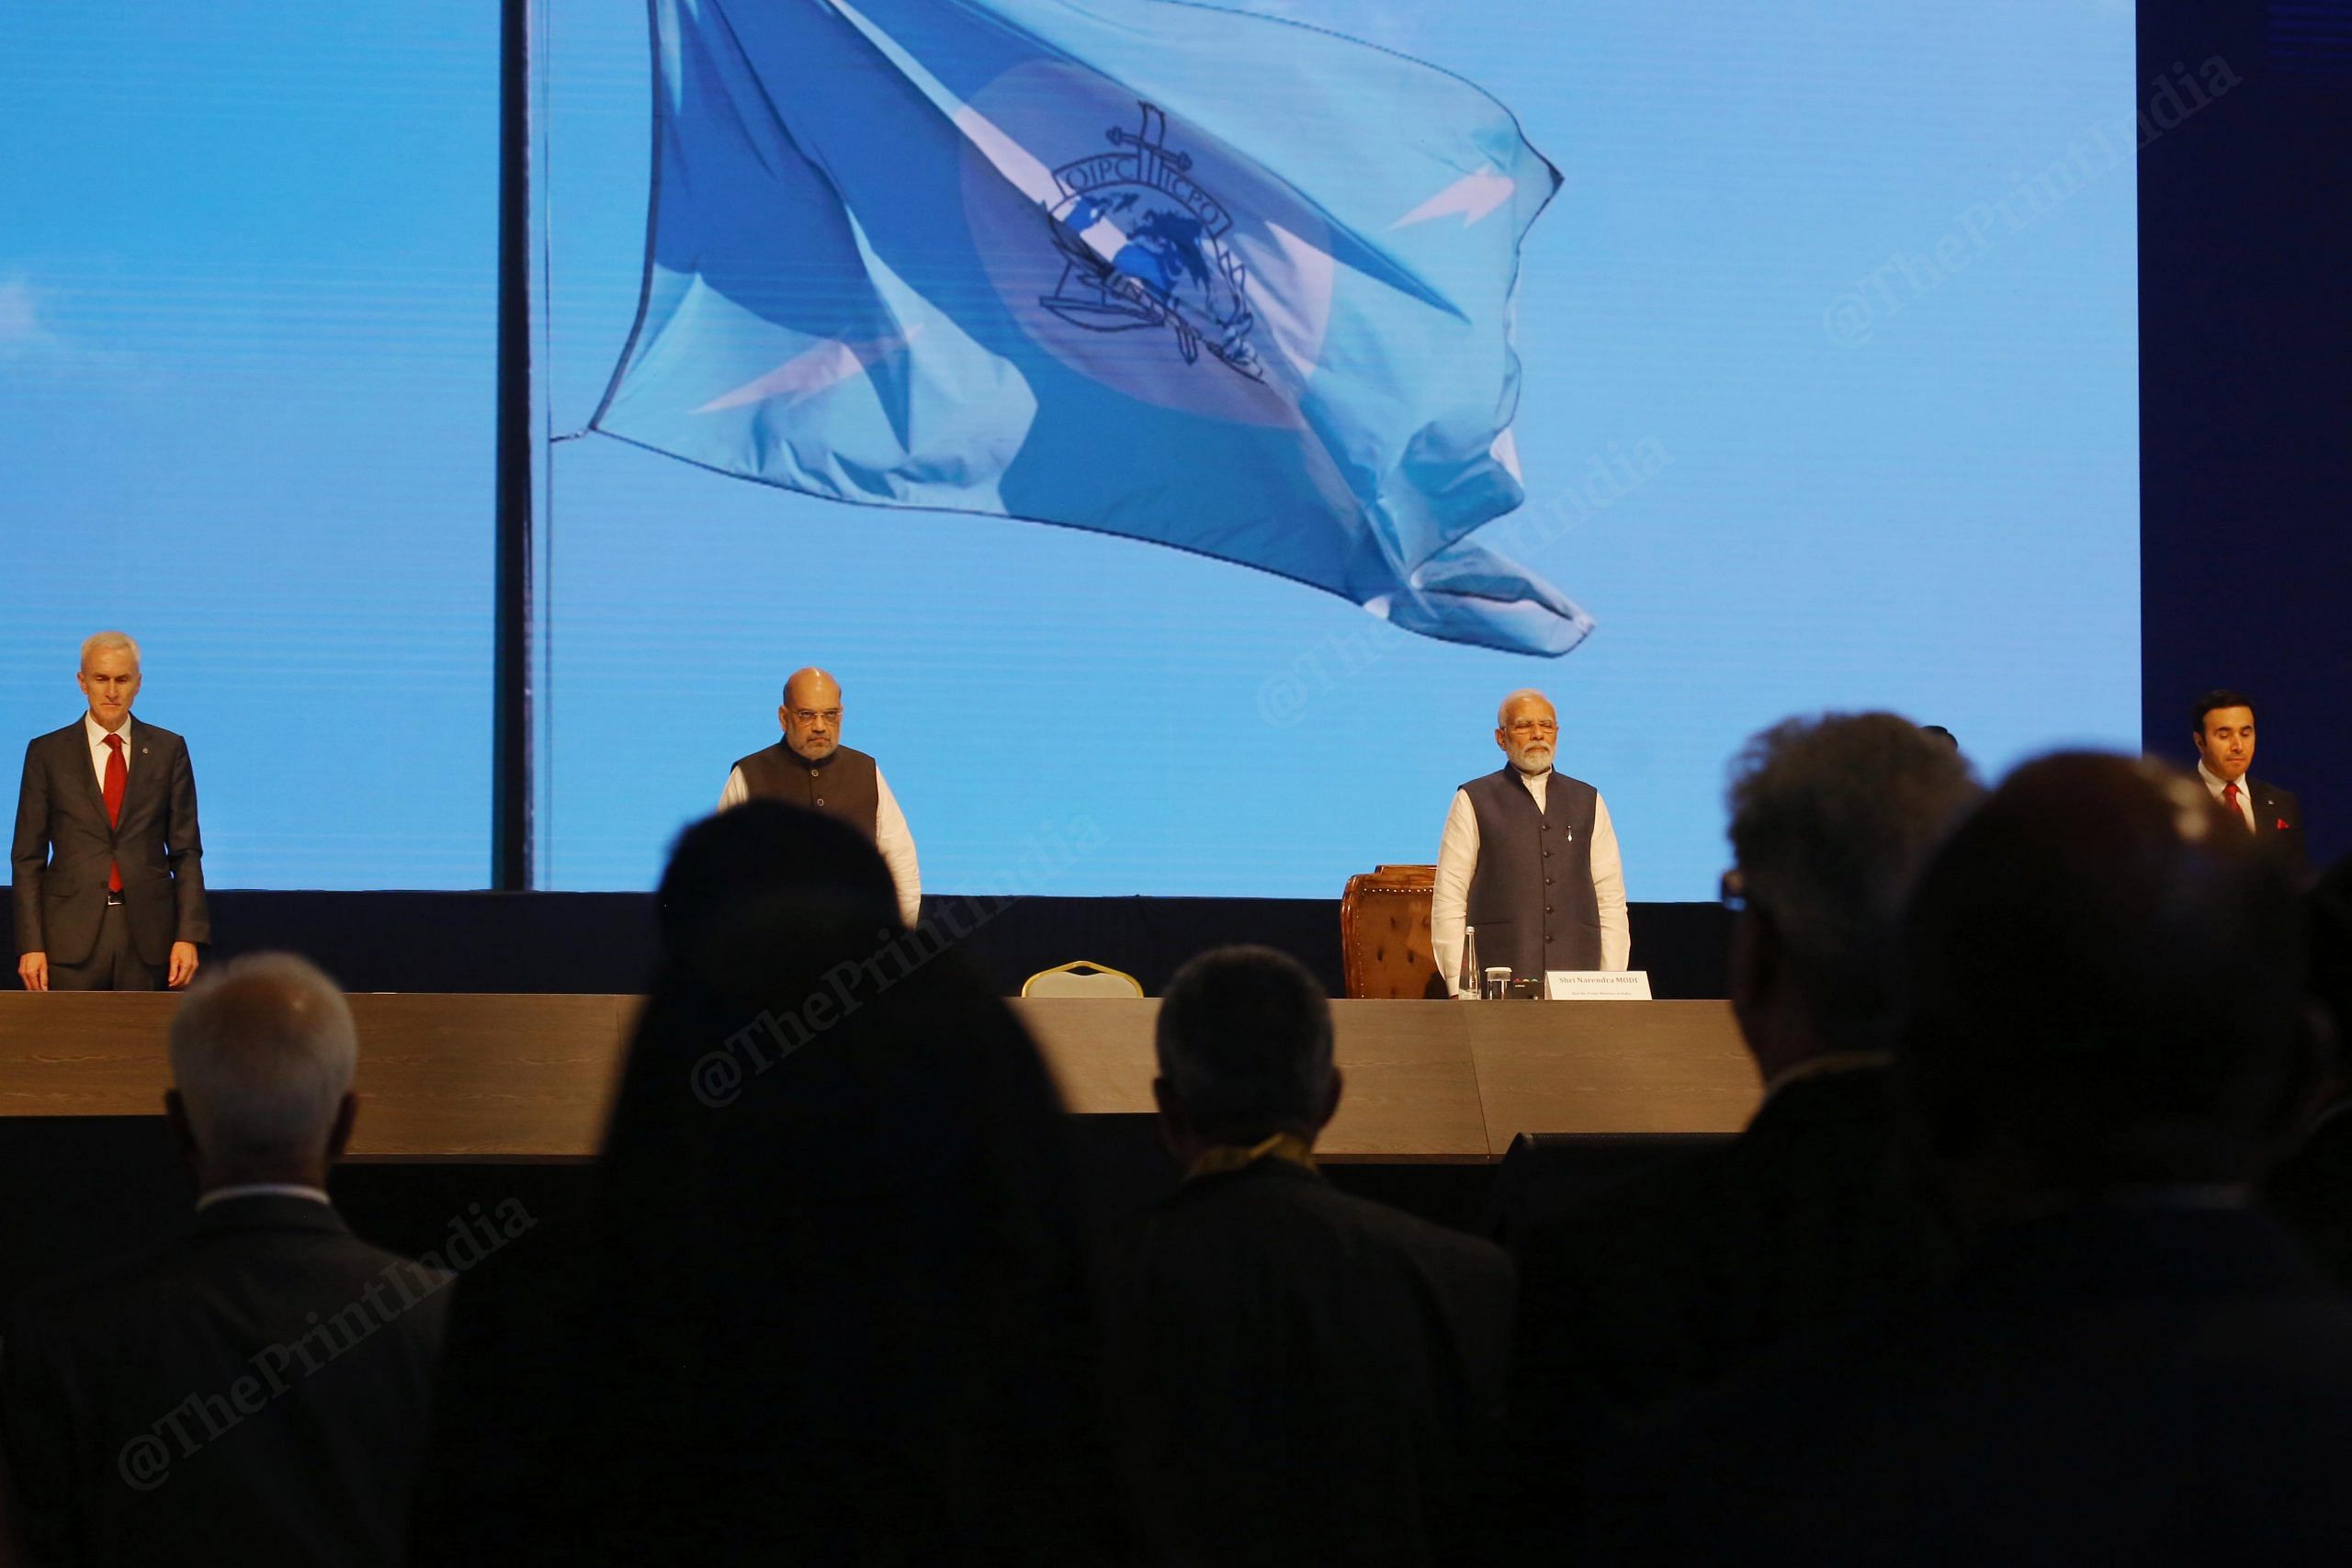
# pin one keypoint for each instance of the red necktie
(116, 776)
(2230, 794)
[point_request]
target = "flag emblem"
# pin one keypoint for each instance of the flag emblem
(1143, 243)
(953, 254)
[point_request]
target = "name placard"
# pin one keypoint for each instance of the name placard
(1597, 985)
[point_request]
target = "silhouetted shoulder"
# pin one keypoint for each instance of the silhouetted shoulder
(1275, 1219)
(276, 1243)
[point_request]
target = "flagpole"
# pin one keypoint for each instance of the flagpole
(510, 825)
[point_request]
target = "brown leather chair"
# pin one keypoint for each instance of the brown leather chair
(1384, 933)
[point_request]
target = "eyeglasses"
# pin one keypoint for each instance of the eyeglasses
(1534, 727)
(1732, 891)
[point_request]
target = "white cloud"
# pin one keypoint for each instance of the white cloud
(30, 340)
(20, 326)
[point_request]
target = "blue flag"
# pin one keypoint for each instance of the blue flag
(1212, 280)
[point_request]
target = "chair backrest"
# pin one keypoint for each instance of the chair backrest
(1081, 978)
(1546, 1174)
(1384, 933)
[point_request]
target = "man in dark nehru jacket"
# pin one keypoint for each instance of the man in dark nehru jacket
(1529, 861)
(811, 767)
(2224, 736)
(109, 864)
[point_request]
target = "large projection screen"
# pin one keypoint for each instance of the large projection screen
(1829, 401)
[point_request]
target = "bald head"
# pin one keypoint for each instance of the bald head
(811, 685)
(811, 714)
(2105, 972)
(263, 1053)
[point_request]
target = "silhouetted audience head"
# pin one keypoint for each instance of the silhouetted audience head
(263, 1053)
(764, 847)
(1830, 819)
(1244, 1039)
(845, 1276)
(1940, 733)
(2105, 981)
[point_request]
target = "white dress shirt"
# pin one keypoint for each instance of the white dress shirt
(890, 836)
(1457, 858)
(97, 734)
(2215, 785)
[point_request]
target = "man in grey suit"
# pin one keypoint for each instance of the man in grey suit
(256, 1390)
(109, 866)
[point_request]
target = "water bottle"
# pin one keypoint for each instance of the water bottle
(1470, 974)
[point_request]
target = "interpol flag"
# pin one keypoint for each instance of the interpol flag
(1212, 280)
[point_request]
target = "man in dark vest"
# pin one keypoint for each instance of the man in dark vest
(1529, 861)
(811, 767)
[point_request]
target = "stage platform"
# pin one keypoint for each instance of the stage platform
(477, 1079)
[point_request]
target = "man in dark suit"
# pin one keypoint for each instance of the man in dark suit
(109, 864)
(1679, 1276)
(1296, 1375)
(2106, 1036)
(2224, 730)
(257, 1393)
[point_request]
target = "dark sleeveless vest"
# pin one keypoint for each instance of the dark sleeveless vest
(842, 785)
(1531, 896)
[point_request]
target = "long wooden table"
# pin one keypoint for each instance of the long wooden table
(475, 1078)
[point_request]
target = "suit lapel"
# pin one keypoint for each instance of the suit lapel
(74, 741)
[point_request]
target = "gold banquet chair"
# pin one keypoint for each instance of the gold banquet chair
(1384, 933)
(1081, 978)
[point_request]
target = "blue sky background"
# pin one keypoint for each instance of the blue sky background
(245, 317)
(245, 383)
